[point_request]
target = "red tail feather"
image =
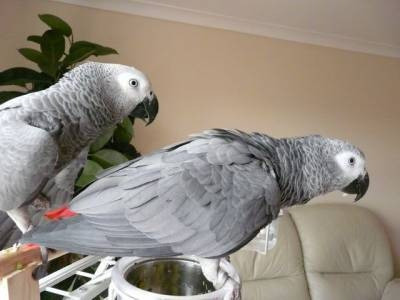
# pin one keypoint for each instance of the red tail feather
(30, 246)
(60, 213)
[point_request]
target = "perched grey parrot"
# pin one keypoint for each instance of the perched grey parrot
(45, 136)
(207, 196)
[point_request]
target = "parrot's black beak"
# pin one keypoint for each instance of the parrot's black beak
(147, 110)
(358, 186)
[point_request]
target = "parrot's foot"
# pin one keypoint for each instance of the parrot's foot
(41, 203)
(223, 276)
(41, 271)
(233, 290)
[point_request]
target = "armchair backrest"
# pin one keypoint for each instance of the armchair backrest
(323, 252)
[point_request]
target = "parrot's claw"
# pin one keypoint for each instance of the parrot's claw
(41, 271)
(222, 276)
(233, 290)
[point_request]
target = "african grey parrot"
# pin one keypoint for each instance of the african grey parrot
(207, 196)
(45, 135)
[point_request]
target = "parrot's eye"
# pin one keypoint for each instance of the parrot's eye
(352, 161)
(133, 82)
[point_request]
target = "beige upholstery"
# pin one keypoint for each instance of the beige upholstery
(324, 252)
(392, 290)
(283, 267)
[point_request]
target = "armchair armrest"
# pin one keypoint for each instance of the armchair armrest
(392, 290)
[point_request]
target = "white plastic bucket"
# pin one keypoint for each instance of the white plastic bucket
(177, 278)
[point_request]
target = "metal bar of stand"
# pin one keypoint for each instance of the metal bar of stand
(67, 272)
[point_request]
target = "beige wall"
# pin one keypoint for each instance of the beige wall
(214, 78)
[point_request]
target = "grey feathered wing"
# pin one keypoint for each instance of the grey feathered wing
(9, 232)
(58, 190)
(207, 197)
(28, 158)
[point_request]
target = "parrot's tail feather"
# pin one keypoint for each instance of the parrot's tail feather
(9, 232)
(78, 235)
(60, 213)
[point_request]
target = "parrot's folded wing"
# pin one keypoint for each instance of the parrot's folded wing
(9, 232)
(29, 156)
(207, 197)
(60, 189)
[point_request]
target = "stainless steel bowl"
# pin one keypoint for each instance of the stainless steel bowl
(169, 276)
(178, 278)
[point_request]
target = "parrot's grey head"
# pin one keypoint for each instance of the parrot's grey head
(347, 165)
(132, 89)
(314, 165)
(124, 89)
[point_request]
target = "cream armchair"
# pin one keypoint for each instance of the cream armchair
(323, 252)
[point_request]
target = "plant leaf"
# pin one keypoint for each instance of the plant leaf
(108, 158)
(82, 49)
(32, 55)
(53, 47)
(35, 38)
(99, 49)
(88, 174)
(129, 151)
(49, 69)
(7, 95)
(102, 140)
(56, 23)
(124, 132)
(77, 55)
(21, 76)
(38, 86)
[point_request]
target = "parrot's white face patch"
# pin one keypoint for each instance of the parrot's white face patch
(352, 164)
(129, 83)
(134, 85)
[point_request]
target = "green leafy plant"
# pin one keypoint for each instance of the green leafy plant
(58, 53)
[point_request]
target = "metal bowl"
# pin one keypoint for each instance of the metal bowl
(162, 278)
(169, 276)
